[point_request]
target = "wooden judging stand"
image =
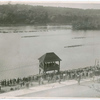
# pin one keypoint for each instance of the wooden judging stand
(49, 62)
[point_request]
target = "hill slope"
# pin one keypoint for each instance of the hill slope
(31, 15)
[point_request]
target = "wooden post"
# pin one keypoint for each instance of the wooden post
(43, 67)
(59, 67)
(39, 68)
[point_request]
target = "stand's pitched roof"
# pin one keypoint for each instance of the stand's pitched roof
(48, 57)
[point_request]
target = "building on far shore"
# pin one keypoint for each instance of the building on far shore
(49, 62)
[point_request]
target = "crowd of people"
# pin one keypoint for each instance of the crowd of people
(50, 64)
(12, 82)
(74, 74)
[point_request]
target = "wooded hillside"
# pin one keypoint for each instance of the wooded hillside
(38, 15)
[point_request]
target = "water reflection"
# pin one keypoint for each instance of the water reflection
(28, 29)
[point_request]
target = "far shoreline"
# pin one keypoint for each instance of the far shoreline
(68, 26)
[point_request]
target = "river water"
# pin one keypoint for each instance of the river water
(21, 47)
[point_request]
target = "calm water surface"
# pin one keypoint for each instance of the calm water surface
(19, 51)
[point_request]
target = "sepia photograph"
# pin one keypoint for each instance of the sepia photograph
(49, 49)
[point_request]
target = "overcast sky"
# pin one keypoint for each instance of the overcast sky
(52, 0)
(84, 4)
(56, 0)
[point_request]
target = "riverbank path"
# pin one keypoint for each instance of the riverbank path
(22, 92)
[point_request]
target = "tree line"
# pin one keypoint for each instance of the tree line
(21, 14)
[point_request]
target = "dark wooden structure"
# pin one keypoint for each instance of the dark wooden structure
(49, 62)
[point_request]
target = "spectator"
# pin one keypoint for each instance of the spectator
(59, 79)
(78, 78)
